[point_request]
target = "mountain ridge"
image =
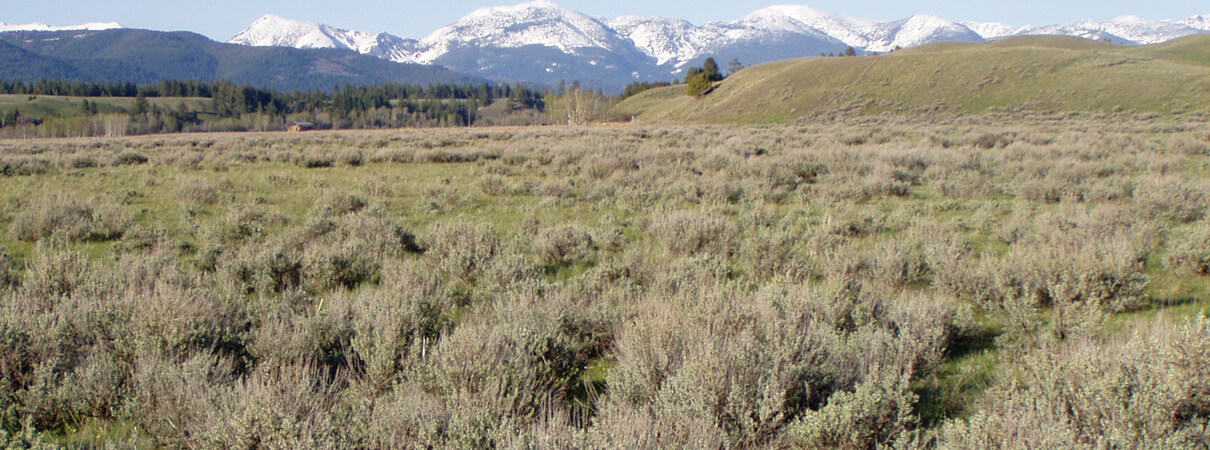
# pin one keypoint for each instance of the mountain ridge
(646, 48)
(90, 26)
(146, 56)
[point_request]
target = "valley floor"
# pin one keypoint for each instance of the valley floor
(948, 282)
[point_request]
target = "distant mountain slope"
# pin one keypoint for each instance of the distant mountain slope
(544, 42)
(1121, 30)
(17, 63)
(144, 56)
(1020, 73)
(93, 26)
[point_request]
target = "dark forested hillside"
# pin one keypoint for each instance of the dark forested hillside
(143, 56)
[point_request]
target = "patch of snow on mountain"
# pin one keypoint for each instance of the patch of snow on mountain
(274, 31)
(1199, 22)
(919, 30)
(1137, 30)
(91, 26)
(666, 39)
(992, 30)
(862, 34)
(799, 19)
(271, 30)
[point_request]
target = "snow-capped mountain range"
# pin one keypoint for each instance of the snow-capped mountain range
(1124, 30)
(91, 26)
(544, 42)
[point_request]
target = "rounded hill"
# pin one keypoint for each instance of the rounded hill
(1025, 73)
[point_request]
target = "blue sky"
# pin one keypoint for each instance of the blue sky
(220, 19)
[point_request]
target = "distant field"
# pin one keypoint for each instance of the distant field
(1018, 74)
(1017, 280)
(45, 106)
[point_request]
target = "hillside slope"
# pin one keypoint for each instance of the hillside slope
(1028, 73)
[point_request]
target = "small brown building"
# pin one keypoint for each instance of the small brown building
(301, 126)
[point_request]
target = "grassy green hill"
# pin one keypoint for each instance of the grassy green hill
(51, 106)
(1032, 73)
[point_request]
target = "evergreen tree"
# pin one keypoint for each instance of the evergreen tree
(140, 104)
(849, 51)
(710, 68)
(699, 85)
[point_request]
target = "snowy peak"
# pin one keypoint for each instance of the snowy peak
(807, 20)
(271, 30)
(91, 26)
(993, 30)
(274, 31)
(535, 23)
(666, 39)
(922, 29)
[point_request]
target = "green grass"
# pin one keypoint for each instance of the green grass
(53, 106)
(149, 193)
(1031, 74)
(657, 170)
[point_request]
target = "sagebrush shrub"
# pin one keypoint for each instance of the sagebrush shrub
(313, 161)
(493, 185)
(1190, 248)
(78, 220)
(690, 233)
(486, 379)
(772, 252)
(874, 414)
(992, 140)
(56, 270)
(270, 269)
(82, 162)
(798, 366)
(197, 191)
(1173, 198)
(342, 202)
(462, 250)
(130, 159)
(336, 265)
(8, 274)
(1145, 392)
(564, 245)
(394, 323)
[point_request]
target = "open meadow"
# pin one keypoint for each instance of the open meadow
(1031, 280)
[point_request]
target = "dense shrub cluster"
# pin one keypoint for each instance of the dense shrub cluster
(95, 220)
(1148, 391)
(964, 283)
(1190, 248)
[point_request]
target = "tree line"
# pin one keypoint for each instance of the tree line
(234, 107)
